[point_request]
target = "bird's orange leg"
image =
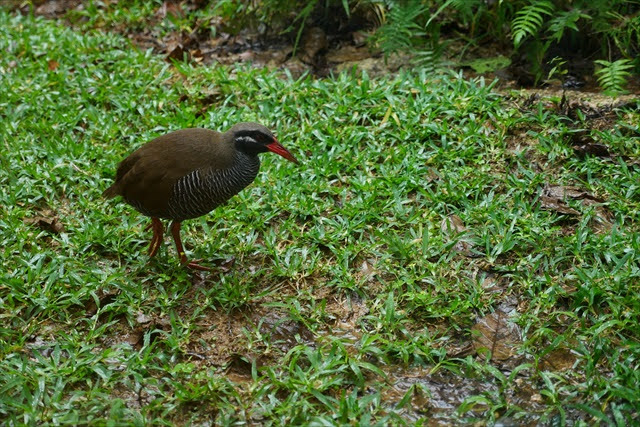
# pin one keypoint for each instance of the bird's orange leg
(158, 233)
(175, 232)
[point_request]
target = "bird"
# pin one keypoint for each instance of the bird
(188, 173)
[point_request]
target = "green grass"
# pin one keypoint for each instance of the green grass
(348, 301)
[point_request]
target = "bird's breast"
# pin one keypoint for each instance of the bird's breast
(201, 191)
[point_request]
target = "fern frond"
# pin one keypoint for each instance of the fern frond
(428, 59)
(612, 77)
(400, 28)
(564, 20)
(625, 33)
(467, 8)
(529, 20)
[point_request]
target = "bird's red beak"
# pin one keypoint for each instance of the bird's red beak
(277, 148)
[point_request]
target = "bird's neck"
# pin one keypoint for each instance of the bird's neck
(241, 173)
(249, 162)
(249, 146)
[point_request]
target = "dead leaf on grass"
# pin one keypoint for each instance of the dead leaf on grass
(560, 359)
(147, 324)
(556, 198)
(367, 268)
(453, 226)
(175, 51)
(104, 298)
(591, 149)
(47, 220)
(497, 334)
(143, 319)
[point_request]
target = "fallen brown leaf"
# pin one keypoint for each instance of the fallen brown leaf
(176, 52)
(498, 334)
(104, 298)
(591, 149)
(558, 205)
(556, 197)
(560, 359)
(453, 226)
(47, 221)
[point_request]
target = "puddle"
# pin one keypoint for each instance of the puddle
(438, 395)
(282, 331)
(346, 312)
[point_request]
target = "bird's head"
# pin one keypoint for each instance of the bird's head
(253, 138)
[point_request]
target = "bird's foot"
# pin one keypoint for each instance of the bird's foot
(175, 232)
(156, 240)
(194, 265)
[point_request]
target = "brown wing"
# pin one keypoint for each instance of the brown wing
(146, 178)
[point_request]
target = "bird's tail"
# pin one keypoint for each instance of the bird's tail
(110, 192)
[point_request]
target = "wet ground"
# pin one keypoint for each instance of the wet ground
(434, 391)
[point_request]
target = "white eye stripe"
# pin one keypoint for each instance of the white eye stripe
(246, 140)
